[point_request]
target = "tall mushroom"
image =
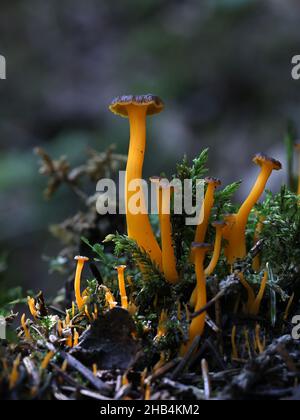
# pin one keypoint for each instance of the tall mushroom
(168, 252)
(237, 239)
(198, 323)
(137, 108)
(77, 283)
(219, 226)
(209, 199)
(122, 287)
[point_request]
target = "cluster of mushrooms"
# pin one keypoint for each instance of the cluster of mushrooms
(230, 233)
(232, 229)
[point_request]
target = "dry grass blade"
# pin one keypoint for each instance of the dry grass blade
(86, 373)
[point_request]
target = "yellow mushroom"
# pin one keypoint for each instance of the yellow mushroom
(198, 323)
(32, 308)
(162, 325)
(254, 310)
(47, 360)
(80, 264)
(25, 328)
(219, 226)
(122, 287)
(237, 238)
(168, 252)
(212, 184)
(14, 376)
(250, 292)
(137, 108)
(230, 220)
(110, 300)
(75, 338)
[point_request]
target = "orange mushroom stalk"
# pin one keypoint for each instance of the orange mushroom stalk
(219, 226)
(168, 252)
(122, 288)
(14, 376)
(109, 298)
(198, 323)
(237, 239)
(255, 307)
(32, 308)
(209, 199)
(25, 328)
(162, 325)
(45, 363)
(80, 265)
(137, 108)
(212, 184)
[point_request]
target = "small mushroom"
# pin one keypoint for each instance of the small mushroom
(137, 108)
(124, 300)
(47, 360)
(25, 328)
(237, 239)
(32, 308)
(219, 226)
(198, 323)
(255, 307)
(14, 376)
(80, 264)
(168, 252)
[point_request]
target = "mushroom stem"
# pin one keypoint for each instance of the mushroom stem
(162, 328)
(207, 207)
(47, 360)
(80, 265)
(201, 230)
(254, 310)
(237, 240)
(168, 252)
(251, 295)
(31, 306)
(258, 230)
(25, 328)
(217, 248)
(14, 376)
(198, 323)
(124, 300)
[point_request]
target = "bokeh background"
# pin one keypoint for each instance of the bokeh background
(223, 68)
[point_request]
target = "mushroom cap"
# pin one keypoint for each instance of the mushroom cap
(261, 159)
(201, 245)
(153, 104)
(80, 258)
(219, 224)
(215, 181)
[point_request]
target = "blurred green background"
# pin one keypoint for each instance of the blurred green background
(223, 68)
